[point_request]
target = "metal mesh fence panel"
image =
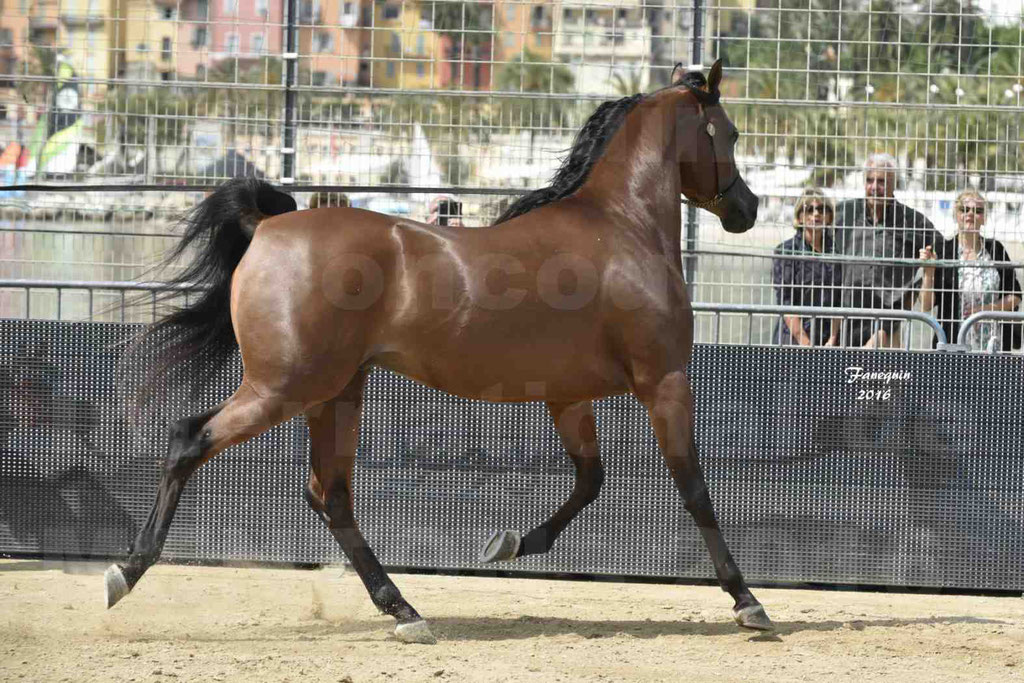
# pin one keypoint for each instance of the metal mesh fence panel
(467, 100)
(898, 468)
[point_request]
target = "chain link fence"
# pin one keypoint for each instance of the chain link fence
(434, 108)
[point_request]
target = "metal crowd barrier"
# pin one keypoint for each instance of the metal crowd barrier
(818, 312)
(847, 467)
(122, 289)
(975, 318)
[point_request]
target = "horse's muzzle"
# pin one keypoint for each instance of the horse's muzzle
(738, 208)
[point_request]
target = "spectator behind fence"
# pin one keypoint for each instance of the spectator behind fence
(322, 200)
(878, 227)
(979, 284)
(807, 281)
(444, 210)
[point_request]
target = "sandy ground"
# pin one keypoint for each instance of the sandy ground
(231, 624)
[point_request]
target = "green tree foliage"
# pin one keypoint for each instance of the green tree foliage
(531, 73)
(948, 58)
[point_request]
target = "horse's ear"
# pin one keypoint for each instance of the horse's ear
(677, 74)
(715, 76)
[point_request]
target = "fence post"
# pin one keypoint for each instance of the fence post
(690, 242)
(291, 67)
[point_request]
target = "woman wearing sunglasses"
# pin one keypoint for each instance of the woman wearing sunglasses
(802, 279)
(979, 283)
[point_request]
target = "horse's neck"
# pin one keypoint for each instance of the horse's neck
(637, 178)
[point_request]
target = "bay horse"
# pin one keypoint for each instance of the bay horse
(575, 293)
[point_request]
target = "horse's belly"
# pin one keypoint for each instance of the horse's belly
(512, 374)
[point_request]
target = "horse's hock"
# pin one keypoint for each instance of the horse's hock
(813, 480)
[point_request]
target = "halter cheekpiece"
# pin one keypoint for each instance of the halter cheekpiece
(709, 99)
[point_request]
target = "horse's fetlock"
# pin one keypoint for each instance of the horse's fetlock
(387, 596)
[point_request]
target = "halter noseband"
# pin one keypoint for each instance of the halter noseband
(708, 99)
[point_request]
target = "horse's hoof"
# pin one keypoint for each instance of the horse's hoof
(415, 632)
(116, 585)
(502, 545)
(753, 617)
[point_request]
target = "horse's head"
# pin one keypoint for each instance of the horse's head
(706, 139)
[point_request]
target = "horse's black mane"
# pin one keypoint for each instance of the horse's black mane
(587, 148)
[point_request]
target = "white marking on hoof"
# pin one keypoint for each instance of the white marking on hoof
(116, 586)
(501, 546)
(753, 617)
(415, 632)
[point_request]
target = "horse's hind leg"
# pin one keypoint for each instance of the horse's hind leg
(193, 441)
(671, 409)
(333, 437)
(578, 431)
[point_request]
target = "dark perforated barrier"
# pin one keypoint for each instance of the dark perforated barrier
(825, 466)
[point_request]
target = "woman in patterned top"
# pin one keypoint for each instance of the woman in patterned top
(802, 279)
(979, 283)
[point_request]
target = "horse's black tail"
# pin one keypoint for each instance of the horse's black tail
(216, 235)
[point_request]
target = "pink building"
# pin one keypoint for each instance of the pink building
(211, 31)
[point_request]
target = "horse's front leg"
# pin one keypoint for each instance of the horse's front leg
(670, 405)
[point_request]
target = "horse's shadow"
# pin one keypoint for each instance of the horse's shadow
(70, 513)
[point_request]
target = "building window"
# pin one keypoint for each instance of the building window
(538, 39)
(323, 41)
(570, 15)
(262, 7)
(421, 69)
(231, 43)
(391, 11)
(421, 45)
(510, 14)
(168, 13)
(391, 70)
(165, 49)
(199, 36)
(396, 44)
(348, 14)
(230, 6)
(165, 75)
(320, 78)
(257, 43)
(201, 72)
(508, 40)
(141, 47)
(202, 10)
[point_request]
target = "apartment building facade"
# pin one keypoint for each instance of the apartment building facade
(211, 31)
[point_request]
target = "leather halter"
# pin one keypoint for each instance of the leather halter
(707, 99)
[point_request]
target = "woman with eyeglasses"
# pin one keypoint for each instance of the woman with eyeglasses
(979, 283)
(801, 278)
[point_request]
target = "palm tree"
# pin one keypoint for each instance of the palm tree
(627, 85)
(529, 73)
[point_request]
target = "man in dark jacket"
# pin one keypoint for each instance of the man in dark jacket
(877, 230)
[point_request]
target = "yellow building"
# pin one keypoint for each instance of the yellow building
(404, 50)
(149, 49)
(520, 28)
(92, 35)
